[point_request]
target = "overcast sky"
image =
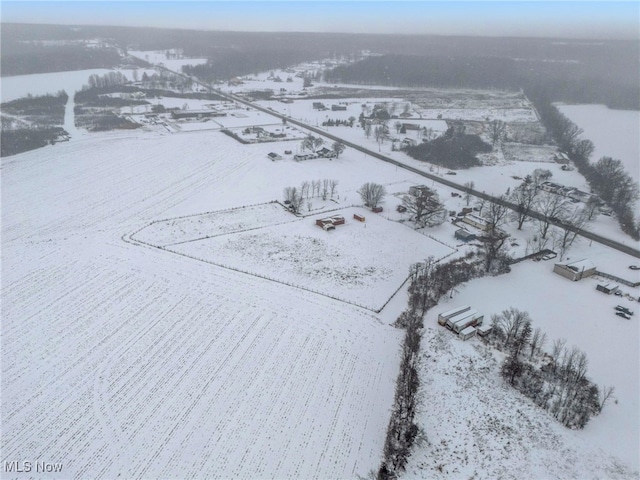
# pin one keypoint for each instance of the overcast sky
(571, 19)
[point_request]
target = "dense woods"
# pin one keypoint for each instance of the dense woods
(566, 80)
(454, 149)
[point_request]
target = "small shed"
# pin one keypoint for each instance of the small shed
(376, 209)
(607, 288)
(357, 217)
(467, 333)
(576, 270)
(274, 156)
(462, 234)
(335, 107)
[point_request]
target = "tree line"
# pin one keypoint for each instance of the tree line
(428, 282)
(607, 177)
(579, 82)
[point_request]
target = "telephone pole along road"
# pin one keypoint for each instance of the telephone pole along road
(584, 233)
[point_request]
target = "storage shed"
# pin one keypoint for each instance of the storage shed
(607, 288)
(359, 218)
(462, 234)
(576, 270)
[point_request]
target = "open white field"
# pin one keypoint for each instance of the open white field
(122, 360)
(360, 263)
(478, 427)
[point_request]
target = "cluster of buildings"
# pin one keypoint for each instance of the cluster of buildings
(569, 192)
(464, 321)
(322, 153)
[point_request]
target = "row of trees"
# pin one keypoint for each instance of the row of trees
(560, 385)
(607, 177)
(294, 197)
(428, 281)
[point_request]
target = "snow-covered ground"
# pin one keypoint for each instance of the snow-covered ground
(122, 359)
(160, 58)
(614, 133)
(42, 83)
(119, 358)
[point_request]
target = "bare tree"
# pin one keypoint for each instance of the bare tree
(308, 143)
(426, 209)
(332, 186)
(293, 197)
(592, 207)
(556, 351)
(523, 196)
(378, 134)
(397, 126)
(496, 215)
(496, 130)
(325, 188)
(605, 394)
(572, 221)
(372, 194)
(317, 143)
(315, 188)
(304, 189)
(538, 340)
(468, 186)
(367, 129)
(338, 147)
(552, 207)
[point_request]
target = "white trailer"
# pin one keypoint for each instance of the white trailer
(443, 317)
(471, 321)
(460, 317)
(467, 333)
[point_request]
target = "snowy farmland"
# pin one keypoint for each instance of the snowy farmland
(125, 354)
(125, 360)
(359, 262)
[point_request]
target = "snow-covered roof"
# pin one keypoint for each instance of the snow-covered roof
(468, 330)
(581, 265)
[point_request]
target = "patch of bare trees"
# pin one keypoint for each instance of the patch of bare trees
(557, 382)
(294, 197)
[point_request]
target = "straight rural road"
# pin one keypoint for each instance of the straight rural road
(629, 250)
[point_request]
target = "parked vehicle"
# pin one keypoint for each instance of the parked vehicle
(623, 315)
(620, 308)
(634, 267)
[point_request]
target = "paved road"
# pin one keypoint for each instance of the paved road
(629, 250)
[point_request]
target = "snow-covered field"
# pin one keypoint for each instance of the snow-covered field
(42, 83)
(359, 263)
(122, 359)
(614, 133)
(586, 318)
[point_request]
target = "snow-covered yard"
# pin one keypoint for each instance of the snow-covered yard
(363, 263)
(476, 423)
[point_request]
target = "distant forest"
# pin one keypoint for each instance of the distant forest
(566, 81)
(598, 71)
